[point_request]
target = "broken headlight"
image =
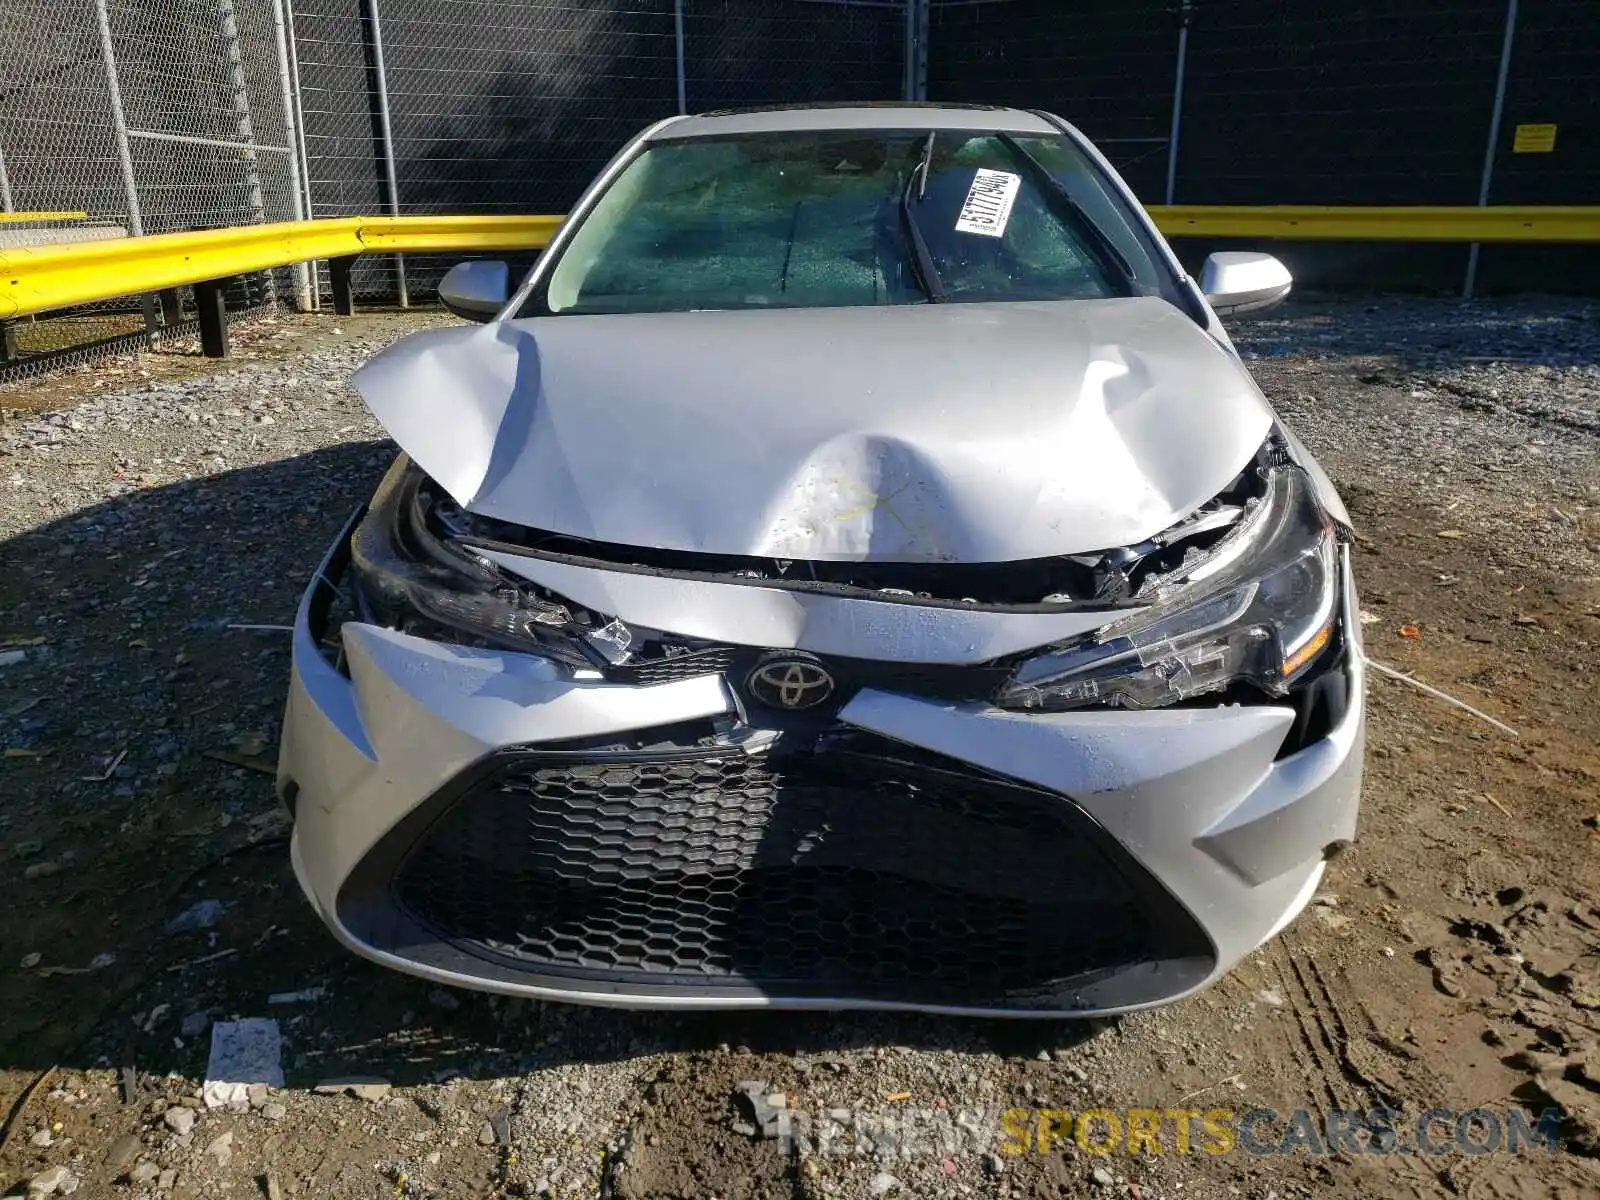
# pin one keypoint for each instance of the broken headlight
(1256, 609)
(412, 579)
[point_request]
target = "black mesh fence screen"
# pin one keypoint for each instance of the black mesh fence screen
(512, 106)
(160, 115)
(1105, 65)
(1554, 80)
(738, 54)
(1306, 102)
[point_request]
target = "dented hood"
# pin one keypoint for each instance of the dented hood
(952, 433)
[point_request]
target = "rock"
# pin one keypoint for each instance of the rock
(194, 1024)
(500, 1125)
(242, 1053)
(167, 1180)
(257, 1094)
(53, 1181)
(202, 914)
(1103, 1177)
(179, 1120)
(486, 1135)
(994, 1164)
(362, 1087)
(440, 998)
(882, 1184)
(1271, 997)
(41, 870)
(42, 1139)
(122, 1153)
(144, 1174)
(221, 1149)
(762, 1107)
(273, 1111)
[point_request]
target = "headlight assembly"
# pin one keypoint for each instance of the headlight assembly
(413, 580)
(1257, 609)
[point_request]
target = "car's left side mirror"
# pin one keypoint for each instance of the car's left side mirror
(475, 291)
(1242, 281)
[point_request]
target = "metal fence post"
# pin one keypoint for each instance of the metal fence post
(677, 28)
(119, 124)
(1471, 282)
(1177, 101)
(8, 340)
(916, 50)
(300, 142)
(6, 202)
(302, 286)
(388, 138)
(228, 22)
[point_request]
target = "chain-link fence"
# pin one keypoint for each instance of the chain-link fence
(156, 115)
(503, 106)
(121, 117)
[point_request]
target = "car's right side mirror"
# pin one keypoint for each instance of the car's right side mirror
(1242, 281)
(476, 291)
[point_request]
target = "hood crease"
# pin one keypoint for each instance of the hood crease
(949, 433)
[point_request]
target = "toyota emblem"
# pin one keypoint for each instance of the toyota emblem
(789, 683)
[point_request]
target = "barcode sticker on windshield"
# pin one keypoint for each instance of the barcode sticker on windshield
(987, 207)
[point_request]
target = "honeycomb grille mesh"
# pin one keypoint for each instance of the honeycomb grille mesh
(711, 661)
(843, 873)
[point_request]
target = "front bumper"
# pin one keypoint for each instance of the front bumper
(475, 818)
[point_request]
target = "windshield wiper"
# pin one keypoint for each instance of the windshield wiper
(1111, 258)
(927, 273)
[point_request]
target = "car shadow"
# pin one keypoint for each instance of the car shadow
(145, 852)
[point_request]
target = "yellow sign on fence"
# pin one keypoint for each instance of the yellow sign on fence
(1534, 139)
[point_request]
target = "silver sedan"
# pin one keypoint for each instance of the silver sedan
(852, 569)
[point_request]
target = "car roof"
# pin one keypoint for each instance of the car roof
(787, 118)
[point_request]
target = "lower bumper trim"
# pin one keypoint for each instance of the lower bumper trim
(845, 868)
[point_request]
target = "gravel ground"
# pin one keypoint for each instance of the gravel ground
(152, 509)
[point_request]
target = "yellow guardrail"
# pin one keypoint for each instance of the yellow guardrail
(7, 217)
(1419, 223)
(39, 278)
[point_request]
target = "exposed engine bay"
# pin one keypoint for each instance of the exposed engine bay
(421, 566)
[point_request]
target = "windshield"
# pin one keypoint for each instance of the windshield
(849, 218)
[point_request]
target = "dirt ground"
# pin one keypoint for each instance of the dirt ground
(152, 510)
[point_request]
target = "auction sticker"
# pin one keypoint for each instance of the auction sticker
(987, 207)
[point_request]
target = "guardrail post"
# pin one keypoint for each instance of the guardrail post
(344, 296)
(209, 298)
(171, 306)
(8, 344)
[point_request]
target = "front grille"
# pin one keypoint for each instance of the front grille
(863, 869)
(713, 660)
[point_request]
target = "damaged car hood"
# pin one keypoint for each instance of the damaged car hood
(925, 433)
